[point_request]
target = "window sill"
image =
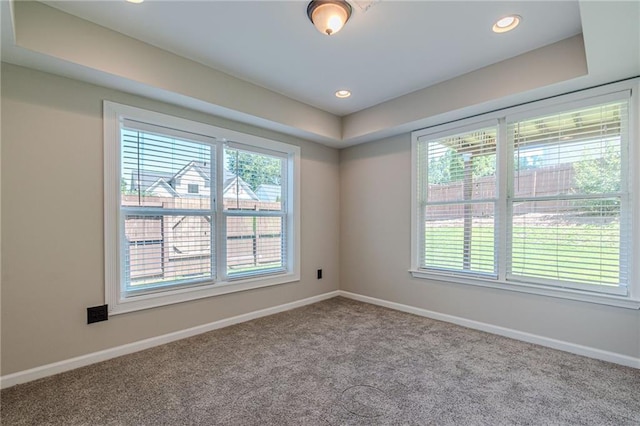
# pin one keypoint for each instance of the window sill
(581, 296)
(153, 300)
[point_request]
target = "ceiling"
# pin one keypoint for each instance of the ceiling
(388, 51)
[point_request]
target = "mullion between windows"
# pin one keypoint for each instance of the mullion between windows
(213, 200)
(220, 256)
(504, 176)
(422, 172)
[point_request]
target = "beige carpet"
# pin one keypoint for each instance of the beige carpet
(337, 362)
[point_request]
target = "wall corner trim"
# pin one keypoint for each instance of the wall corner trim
(95, 357)
(561, 345)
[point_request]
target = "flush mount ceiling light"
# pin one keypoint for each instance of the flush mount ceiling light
(507, 23)
(343, 94)
(329, 16)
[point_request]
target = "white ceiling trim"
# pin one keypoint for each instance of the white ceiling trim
(49, 40)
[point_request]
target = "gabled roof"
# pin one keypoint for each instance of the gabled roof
(201, 168)
(146, 181)
(163, 184)
(142, 179)
(269, 193)
(234, 180)
(228, 177)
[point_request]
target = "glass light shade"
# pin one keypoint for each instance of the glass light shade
(330, 17)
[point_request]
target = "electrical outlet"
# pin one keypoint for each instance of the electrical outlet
(97, 314)
(319, 274)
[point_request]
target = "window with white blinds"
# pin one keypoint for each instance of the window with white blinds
(539, 198)
(255, 211)
(169, 235)
(458, 201)
(568, 204)
(190, 212)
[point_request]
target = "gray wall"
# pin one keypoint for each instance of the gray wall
(355, 225)
(52, 225)
(375, 234)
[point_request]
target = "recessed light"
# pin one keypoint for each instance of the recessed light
(343, 94)
(507, 23)
(134, 1)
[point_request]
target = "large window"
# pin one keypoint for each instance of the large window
(537, 199)
(193, 211)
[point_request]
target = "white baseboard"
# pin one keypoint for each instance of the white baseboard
(92, 358)
(502, 331)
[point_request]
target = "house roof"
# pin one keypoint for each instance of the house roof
(229, 183)
(200, 167)
(270, 193)
(144, 180)
(164, 184)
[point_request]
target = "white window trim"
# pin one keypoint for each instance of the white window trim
(632, 299)
(113, 114)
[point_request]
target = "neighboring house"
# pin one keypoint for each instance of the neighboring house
(269, 193)
(190, 181)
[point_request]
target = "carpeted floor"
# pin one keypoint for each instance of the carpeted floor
(337, 362)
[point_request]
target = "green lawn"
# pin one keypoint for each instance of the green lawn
(446, 245)
(587, 253)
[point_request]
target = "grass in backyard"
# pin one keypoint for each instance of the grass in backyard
(576, 253)
(266, 267)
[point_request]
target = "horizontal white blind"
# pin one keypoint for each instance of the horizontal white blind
(166, 204)
(255, 206)
(568, 198)
(457, 191)
(165, 131)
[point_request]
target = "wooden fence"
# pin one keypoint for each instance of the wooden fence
(542, 181)
(165, 247)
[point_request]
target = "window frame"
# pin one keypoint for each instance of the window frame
(443, 133)
(564, 102)
(115, 294)
(230, 213)
(560, 108)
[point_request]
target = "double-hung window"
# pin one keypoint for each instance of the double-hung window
(457, 175)
(534, 198)
(192, 210)
(568, 201)
(254, 230)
